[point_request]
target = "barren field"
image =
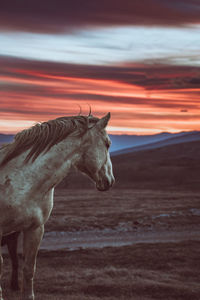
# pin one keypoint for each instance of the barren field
(162, 263)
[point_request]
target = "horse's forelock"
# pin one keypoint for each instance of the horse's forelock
(42, 136)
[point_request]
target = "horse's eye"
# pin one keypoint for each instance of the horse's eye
(107, 144)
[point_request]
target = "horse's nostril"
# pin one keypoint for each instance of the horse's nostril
(107, 183)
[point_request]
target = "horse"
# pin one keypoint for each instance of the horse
(11, 240)
(33, 164)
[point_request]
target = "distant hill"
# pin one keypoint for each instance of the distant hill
(6, 138)
(174, 166)
(169, 140)
(127, 141)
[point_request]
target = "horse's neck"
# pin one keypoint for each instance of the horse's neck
(47, 170)
(53, 166)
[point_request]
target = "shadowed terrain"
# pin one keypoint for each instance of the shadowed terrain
(161, 271)
(153, 270)
(169, 167)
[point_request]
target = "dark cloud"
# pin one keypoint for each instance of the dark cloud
(149, 76)
(62, 15)
(195, 81)
(28, 111)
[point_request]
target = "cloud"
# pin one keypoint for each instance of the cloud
(148, 76)
(62, 15)
(138, 95)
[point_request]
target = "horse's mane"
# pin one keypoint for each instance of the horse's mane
(42, 136)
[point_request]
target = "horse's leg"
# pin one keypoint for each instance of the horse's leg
(32, 239)
(12, 249)
(1, 264)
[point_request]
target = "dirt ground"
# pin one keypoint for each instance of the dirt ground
(124, 209)
(153, 270)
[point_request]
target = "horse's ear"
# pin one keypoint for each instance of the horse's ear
(102, 123)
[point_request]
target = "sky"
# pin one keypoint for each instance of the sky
(140, 60)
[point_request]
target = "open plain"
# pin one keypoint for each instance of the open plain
(163, 264)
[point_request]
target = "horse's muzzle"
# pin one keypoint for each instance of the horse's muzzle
(105, 185)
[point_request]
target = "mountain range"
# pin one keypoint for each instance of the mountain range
(161, 140)
(128, 143)
(6, 138)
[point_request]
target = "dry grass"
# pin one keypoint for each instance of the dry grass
(140, 272)
(157, 271)
(90, 209)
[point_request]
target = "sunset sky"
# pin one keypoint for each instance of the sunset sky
(140, 60)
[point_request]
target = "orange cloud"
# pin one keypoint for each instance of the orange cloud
(30, 94)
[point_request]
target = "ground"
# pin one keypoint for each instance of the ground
(150, 270)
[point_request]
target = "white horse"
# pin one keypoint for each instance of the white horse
(30, 167)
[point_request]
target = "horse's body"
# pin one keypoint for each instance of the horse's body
(30, 168)
(11, 240)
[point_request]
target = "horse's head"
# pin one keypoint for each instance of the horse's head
(95, 160)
